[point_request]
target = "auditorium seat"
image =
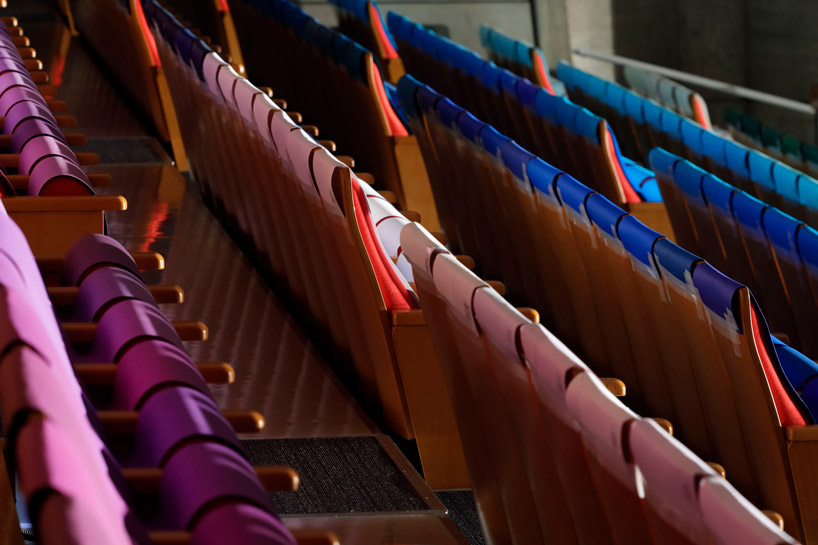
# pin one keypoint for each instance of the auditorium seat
(377, 333)
(362, 21)
(358, 115)
(758, 241)
(123, 39)
(518, 56)
(670, 94)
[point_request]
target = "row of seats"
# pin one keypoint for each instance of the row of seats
(42, 151)
(361, 21)
(652, 125)
(117, 30)
(357, 115)
(759, 245)
(81, 468)
(520, 57)
(323, 235)
(669, 94)
(690, 344)
(562, 133)
(773, 142)
(554, 457)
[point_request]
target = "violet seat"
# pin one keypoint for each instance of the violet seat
(91, 251)
(103, 288)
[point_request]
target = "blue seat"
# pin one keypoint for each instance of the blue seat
(718, 193)
(663, 162)
(470, 127)
(448, 112)
(635, 107)
(672, 125)
(781, 230)
(586, 124)
(807, 241)
(800, 370)
(692, 136)
(615, 98)
(472, 63)
(508, 82)
(522, 53)
(597, 88)
(736, 156)
(340, 43)
(547, 105)
(407, 92)
(516, 159)
(526, 93)
(639, 240)
(689, 177)
(427, 100)
(543, 177)
(761, 170)
(653, 114)
(675, 260)
(748, 211)
(491, 77)
(485, 36)
(573, 194)
(565, 113)
(713, 146)
(565, 73)
(604, 214)
(493, 141)
(785, 179)
(808, 192)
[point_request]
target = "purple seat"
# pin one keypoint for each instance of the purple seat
(21, 94)
(198, 475)
(40, 147)
(148, 366)
(67, 521)
(92, 251)
(175, 415)
(14, 80)
(24, 110)
(104, 287)
(124, 325)
(240, 523)
(31, 128)
(58, 176)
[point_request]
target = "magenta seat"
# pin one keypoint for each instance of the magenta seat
(240, 523)
(58, 176)
(104, 287)
(148, 366)
(91, 251)
(40, 147)
(31, 128)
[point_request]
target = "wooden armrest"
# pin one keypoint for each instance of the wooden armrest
(145, 480)
(63, 204)
(411, 215)
(15, 31)
(102, 374)
(408, 317)
(615, 386)
(498, 286)
(146, 261)
(305, 536)
(390, 196)
(124, 422)
(38, 76)
(65, 296)
(20, 41)
(329, 144)
(72, 138)
(86, 332)
(718, 468)
(267, 91)
(281, 103)
(664, 424)
(295, 116)
(10, 21)
(27, 52)
(466, 260)
(312, 130)
(366, 177)
(530, 313)
(347, 160)
(12, 160)
(802, 433)
(53, 104)
(777, 519)
(783, 337)
(441, 237)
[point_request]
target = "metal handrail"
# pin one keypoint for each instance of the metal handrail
(716, 85)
